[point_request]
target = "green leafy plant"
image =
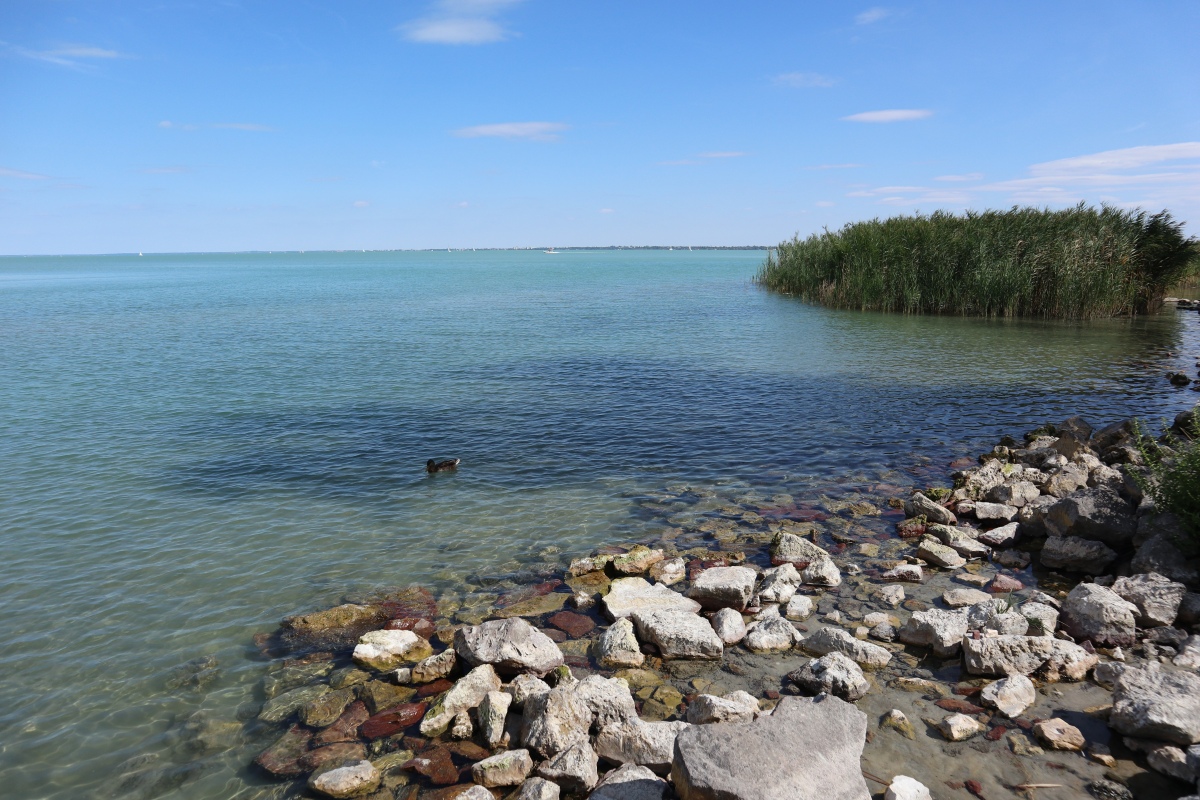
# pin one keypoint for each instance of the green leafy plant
(1172, 475)
(1075, 263)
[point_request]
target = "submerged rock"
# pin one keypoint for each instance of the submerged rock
(729, 760)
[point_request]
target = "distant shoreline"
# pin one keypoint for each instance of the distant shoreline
(409, 250)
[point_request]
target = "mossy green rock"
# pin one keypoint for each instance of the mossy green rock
(285, 705)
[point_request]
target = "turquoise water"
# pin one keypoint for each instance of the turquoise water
(197, 445)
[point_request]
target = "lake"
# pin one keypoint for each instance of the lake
(197, 445)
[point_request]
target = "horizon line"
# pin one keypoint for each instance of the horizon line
(531, 248)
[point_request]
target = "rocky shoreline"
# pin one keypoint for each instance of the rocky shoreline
(867, 645)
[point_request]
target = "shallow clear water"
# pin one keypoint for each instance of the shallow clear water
(194, 446)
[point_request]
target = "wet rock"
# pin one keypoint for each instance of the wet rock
(960, 598)
(801, 607)
(630, 782)
(348, 676)
(344, 728)
(836, 640)
(392, 721)
(282, 759)
(523, 687)
(383, 650)
(921, 506)
(574, 625)
(630, 595)
(582, 566)
(729, 626)
(332, 755)
(350, 780)
(1010, 696)
(511, 646)
(669, 571)
(1098, 514)
(327, 708)
(1004, 536)
(535, 606)
(995, 511)
(788, 548)
(727, 760)
(196, 674)
(1093, 612)
(779, 584)
(903, 787)
(468, 693)
(637, 561)
(554, 721)
(896, 720)
(280, 708)
(678, 634)
(959, 727)
(333, 627)
(1056, 659)
(379, 695)
(537, 789)
(509, 768)
(1157, 598)
(771, 635)
(822, 572)
(910, 573)
(723, 587)
(1075, 554)
(574, 769)
(618, 647)
(608, 698)
(430, 669)
(941, 630)
(1157, 704)
(435, 764)
(834, 674)
(648, 744)
(892, 595)
(1059, 735)
(734, 707)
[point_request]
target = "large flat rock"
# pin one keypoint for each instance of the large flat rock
(627, 596)
(808, 749)
(1157, 704)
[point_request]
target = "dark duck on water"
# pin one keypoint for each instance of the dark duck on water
(445, 465)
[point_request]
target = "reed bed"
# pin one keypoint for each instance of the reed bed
(1077, 263)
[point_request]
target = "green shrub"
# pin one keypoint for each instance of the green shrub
(1076, 263)
(1173, 479)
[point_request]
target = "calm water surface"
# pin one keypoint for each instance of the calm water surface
(194, 446)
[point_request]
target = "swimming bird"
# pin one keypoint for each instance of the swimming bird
(445, 465)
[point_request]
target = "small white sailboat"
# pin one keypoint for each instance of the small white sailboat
(551, 251)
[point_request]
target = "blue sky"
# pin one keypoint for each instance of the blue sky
(168, 126)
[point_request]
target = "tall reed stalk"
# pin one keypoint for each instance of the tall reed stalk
(1076, 263)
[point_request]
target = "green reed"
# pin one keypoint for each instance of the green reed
(1076, 263)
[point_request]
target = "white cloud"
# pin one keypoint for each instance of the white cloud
(5, 172)
(460, 22)
(805, 80)
(723, 154)
(970, 176)
(361, 203)
(70, 55)
(890, 115)
(533, 131)
(1127, 158)
(871, 15)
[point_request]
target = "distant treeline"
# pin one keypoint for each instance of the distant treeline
(1078, 263)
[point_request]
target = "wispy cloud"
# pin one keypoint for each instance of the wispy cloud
(890, 115)
(836, 166)
(70, 55)
(5, 172)
(871, 15)
(970, 176)
(532, 131)
(805, 80)
(460, 22)
(1127, 158)
(723, 154)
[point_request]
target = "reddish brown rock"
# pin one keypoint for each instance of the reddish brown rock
(393, 720)
(434, 763)
(434, 687)
(418, 625)
(910, 528)
(967, 690)
(413, 601)
(553, 635)
(996, 733)
(345, 727)
(333, 754)
(1003, 584)
(469, 750)
(574, 625)
(282, 759)
(696, 566)
(958, 706)
(416, 744)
